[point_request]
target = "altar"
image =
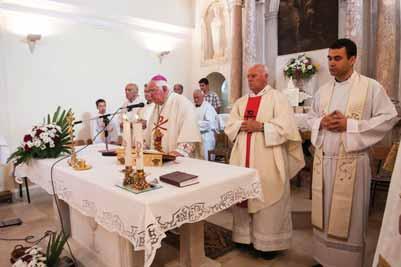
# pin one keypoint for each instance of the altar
(133, 223)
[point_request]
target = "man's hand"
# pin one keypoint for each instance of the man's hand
(251, 126)
(334, 122)
(176, 154)
(143, 124)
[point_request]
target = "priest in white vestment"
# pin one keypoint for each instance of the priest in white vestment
(349, 114)
(207, 122)
(265, 136)
(145, 112)
(99, 124)
(132, 98)
(172, 127)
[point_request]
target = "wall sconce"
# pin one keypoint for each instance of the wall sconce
(32, 39)
(162, 55)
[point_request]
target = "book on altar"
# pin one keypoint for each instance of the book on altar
(180, 179)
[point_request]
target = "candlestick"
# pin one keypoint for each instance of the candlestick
(127, 139)
(138, 139)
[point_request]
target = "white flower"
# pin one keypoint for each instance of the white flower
(42, 147)
(52, 145)
(310, 67)
(20, 263)
(37, 143)
(29, 144)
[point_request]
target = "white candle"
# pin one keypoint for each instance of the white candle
(138, 137)
(128, 142)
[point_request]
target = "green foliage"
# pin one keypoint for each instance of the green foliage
(55, 248)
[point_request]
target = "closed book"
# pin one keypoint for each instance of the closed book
(179, 179)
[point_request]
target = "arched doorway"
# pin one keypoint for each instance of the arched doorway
(218, 84)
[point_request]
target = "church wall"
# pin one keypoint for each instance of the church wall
(83, 57)
(202, 69)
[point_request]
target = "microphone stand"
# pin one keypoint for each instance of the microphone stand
(107, 152)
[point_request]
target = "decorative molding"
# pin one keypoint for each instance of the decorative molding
(120, 22)
(273, 15)
(274, 5)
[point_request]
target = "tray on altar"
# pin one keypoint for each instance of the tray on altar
(132, 190)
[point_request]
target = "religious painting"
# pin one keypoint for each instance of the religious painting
(305, 25)
(214, 33)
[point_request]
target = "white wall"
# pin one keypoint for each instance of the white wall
(81, 58)
(319, 57)
(200, 70)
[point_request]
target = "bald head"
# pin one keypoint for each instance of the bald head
(257, 77)
(131, 91)
(198, 97)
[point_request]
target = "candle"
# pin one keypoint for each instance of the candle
(138, 139)
(128, 142)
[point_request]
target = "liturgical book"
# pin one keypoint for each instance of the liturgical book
(179, 179)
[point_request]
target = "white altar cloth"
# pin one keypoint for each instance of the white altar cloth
(144, 218)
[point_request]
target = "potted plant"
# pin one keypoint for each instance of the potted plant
(34, 256)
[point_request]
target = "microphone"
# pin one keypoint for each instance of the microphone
(130, 107)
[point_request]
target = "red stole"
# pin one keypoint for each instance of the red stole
(251, 111)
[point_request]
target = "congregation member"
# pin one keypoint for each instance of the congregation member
(178, 88)
(265, 136)
(99, 124)
(172, 127)
(210, 96)
(350, 113)
(206, 115)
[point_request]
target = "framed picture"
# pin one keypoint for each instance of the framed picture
(305, 25)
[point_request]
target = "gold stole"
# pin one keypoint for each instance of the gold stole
(341, 204)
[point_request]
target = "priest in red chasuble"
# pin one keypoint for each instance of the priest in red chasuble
(173, 125)
(266, 137)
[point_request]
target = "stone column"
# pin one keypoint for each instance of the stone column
(387, 60)
(399, 47)
(236, 51)
(250, 41)
(355, 30)
(260, 30)
(271, 41)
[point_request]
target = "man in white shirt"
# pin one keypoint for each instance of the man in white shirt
(99, 124)
(207, 122)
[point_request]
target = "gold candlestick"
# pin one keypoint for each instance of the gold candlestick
(128, 177)
(74, 162)
(140, 181)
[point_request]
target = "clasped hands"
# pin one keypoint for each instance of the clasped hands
(251, 126)
(334, 122)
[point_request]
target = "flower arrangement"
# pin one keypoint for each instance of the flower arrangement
(34, 257)
(44, 141)
(300, 67)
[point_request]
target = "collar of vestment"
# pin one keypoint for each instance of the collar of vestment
(348, 81)
(262, 92)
